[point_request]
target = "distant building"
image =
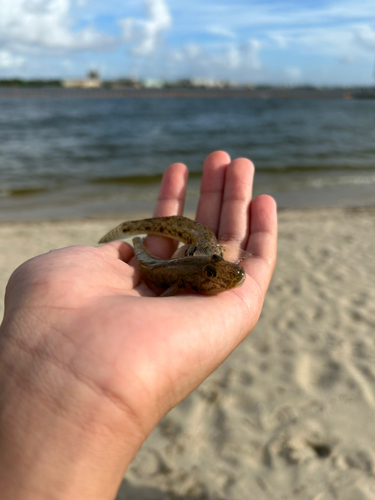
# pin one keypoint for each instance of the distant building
(153, 83)
(92, 81)
(208, 83)
(126, 83)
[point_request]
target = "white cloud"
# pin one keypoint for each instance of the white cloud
(365, 36)
(9, 61)
(220, 31)
(234, 62)
(261, 13)
(347, 59)
(280, 40)
(30, 25)
(249, 54)
(324, 25)
(158, 12)
(293, 74)
(343, 42)
(144, 35)
(192, 52)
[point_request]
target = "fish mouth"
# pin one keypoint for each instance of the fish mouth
(241, 277)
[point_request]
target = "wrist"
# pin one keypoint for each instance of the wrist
(58, 438)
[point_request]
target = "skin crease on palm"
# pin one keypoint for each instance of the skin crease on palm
(90, 360)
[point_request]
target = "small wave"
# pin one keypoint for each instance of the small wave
(343, 180)
(301, 169)
(21, 192)
(319, 183)
(135, 179)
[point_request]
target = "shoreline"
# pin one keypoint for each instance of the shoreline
(77, 202)
(140, 214)
(201, 93)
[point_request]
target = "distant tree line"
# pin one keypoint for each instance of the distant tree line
(132, 83)
(17, 82)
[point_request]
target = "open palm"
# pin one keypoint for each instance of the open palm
(94, 321)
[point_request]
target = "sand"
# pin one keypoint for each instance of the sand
(291, 413)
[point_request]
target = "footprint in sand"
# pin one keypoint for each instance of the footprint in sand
(313, 372)
(298, 443)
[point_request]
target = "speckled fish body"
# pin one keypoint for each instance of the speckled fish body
(200, 239)
(201, 268)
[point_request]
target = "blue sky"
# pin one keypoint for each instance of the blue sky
(322, 42)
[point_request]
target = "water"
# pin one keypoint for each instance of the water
(64, 157)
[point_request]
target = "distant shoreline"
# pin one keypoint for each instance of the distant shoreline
(105, 93)
(113, 201)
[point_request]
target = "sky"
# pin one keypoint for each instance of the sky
(320, 42)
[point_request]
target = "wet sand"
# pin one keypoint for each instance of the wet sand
(290, 414)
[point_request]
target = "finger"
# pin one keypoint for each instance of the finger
(212, 186)
(171, 201)
(117, 250)
(262, 243)
(172, 191)
(234, 220)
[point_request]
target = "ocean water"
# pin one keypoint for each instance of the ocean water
(72, 157)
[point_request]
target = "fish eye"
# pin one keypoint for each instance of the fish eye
(209, 271)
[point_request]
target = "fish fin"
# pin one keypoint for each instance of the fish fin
(183, 251)
(172, 290)
(234, 254)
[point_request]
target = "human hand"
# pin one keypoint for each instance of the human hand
(97, 360)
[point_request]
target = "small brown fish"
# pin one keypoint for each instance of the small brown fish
(201, 269)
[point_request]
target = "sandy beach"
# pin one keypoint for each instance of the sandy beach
(290, 414)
